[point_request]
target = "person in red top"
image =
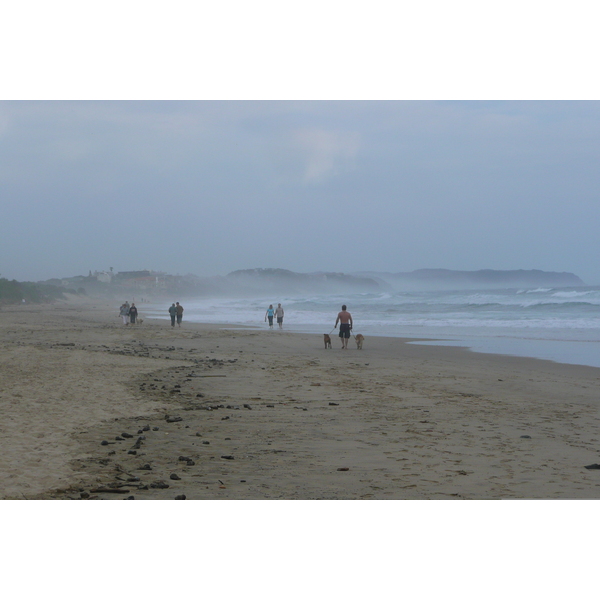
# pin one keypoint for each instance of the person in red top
(344, 318)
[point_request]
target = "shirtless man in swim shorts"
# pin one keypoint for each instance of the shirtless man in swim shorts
(344, 318)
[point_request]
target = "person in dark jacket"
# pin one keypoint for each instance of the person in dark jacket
(133, 312)
(173, 313)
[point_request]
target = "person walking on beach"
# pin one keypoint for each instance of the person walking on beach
(179, 311)
(124, 313)
(269, 315)
(173, 313)
(344, 318)
(133, 312)
(279, 315)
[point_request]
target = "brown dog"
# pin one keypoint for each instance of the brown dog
(327, 340)
(359, 338)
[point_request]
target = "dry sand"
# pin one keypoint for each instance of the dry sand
(259, 414)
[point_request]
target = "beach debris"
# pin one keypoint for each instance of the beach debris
(146, 467)
(109, 490)
(126, 435)
(173, 419)
(142, 487)
(159, 485)
(133, 479)
(526, 437)
(155, 429)
(247, 406)
(180, 497)
(270, 406)
(184, 458)
(130, 498)
(227, 457)
(206, 443)
(174, 477)
(334, 404)
(225, 418)
(343, 469)
(134, 452)
(592, 467)
(119, 438)
(105, 443)
(146, 428)
(84, 495)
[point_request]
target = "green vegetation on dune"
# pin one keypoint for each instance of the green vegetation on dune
(14, 292)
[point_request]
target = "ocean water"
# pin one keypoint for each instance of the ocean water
(559, 324)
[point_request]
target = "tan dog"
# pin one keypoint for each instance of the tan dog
(327, 340)
(359, 338)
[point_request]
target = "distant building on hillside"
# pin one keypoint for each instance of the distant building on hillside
(103, 276)
(143, 280)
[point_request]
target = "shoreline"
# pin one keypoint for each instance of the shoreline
(265, 415)
(563, 351)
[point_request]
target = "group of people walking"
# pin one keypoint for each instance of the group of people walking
(344, 318)
(128, 313)
(274, 312)
(176, 313)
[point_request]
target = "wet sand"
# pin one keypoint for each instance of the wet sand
(92, 409)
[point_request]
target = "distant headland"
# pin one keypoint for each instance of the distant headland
(253, 282)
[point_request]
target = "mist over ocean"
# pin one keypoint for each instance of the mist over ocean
(560, 324)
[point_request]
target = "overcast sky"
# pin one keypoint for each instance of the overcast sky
(208, 187)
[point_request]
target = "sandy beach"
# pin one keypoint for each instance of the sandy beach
(91, 409)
